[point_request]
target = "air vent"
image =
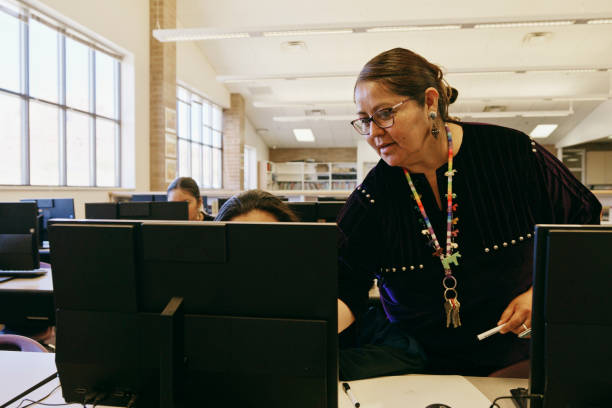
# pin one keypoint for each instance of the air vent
(495, 108)
(315, 112)
(260, 90)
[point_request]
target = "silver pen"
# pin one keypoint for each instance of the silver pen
(349, 393)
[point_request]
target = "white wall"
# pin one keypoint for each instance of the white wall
(194, 70)
(365, 153)
(124, 25)
(251, 138)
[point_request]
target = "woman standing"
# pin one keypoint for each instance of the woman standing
(445, 221)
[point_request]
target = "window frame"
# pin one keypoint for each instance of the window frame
(25, 15)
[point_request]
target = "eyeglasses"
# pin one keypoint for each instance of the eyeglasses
(384, 118)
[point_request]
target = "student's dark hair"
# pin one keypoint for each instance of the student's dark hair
(187, 184)
(406, 73)
(251, 200)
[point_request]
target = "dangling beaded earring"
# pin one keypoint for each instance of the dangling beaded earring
(434, 129)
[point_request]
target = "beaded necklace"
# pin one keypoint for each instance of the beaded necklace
(449, 282)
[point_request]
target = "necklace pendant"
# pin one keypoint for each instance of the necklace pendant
(451, 307)
(451, 259)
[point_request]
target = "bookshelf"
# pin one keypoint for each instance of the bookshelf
(310, 176)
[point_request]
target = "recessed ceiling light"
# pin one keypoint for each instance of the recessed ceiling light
(304, 135)
(542, 131)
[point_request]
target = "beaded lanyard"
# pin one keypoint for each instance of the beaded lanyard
(449, 282)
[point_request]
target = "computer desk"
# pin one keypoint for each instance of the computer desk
(20, 371)
(27, 300)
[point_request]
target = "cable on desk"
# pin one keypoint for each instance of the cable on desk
(527, 396)
(39, 402)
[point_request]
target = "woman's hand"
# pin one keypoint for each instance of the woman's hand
(517, 315)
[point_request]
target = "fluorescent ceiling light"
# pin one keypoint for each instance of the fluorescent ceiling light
(305, 32)
(413, 28)
(525, 24)
(313, 118)
(602, 21)
(304, 135)
(542, 131)
(514, 114)
(193, 34)
(303, 105)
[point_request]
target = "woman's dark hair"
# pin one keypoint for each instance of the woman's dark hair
(406, 73)
(256, 200)
(188, 184)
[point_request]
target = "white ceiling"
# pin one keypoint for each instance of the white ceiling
(480, 63)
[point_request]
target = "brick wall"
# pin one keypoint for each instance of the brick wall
(162, 90)
(341, 154)
(233, 143)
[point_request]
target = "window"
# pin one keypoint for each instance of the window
(250, 167)
(59, 104)
(200, 139)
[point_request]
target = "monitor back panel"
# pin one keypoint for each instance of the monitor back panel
(572, 323)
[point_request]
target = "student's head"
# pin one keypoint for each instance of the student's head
(186, 189)
(256, 206)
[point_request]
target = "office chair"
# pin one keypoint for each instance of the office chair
(13, 342)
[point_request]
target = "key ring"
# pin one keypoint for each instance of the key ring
(448, 290)
(453, 282)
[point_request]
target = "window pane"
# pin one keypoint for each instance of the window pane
(207, 136)
(105, 152)
(105, 85)
(10, 139)
(44, 144)
(217, 139)
(77, 75)
(184, 158)
(217, 118)
(196, 122)
(216, 168)
(183, 120)
(9, 50)
(207, 163)
(196, 163)
(206, 114)
(77, 149)
(43, 62)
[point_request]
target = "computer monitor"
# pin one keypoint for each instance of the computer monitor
(328, 211)
(257, 325)
(149, 197)
(571, 323)
(305, 211)
(138, 210)
(51, 208)
(19, 236)
(312, 211)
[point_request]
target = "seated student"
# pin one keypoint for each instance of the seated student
(256, 206)
(186, 189)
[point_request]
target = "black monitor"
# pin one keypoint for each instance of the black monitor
(149, 197)
(19, 236)
(312, 211)
(218, 314)
(51, 208)
(138, 210)
(328, 211)
(572, 323)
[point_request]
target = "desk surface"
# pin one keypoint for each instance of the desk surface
(40, 284)
(19, 371)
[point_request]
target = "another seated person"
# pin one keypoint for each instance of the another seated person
(186, 189)
(256, 206)
(445, 220)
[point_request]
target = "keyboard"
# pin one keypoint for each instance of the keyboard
(517, 393)
(29, 273)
